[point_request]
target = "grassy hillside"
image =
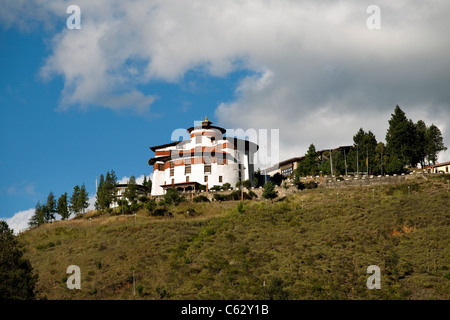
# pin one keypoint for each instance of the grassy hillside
(318, 248)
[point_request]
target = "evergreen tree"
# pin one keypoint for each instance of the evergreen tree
(74, 202)
(309, 165)
(109, 191)
(39, 216)
(83, 199)
(62, 208)
(147, 185)
(100, 196)
(420, 142)
(381, 158)
(50, 207)
(434, 143)
(269, 191)
(172, 197)
(365, 143)
(131, 190)
(400, 139)
(17, 281)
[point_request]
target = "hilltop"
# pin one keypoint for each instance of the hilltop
(313, 244)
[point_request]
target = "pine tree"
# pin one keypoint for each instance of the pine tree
(17, 281)
(269, 191)
(100, 196)
(400, 139)
(434, 143)
(309, 165)
(62, 207)
(50, 208)
(381, 158)
(83, 199)
(131, 190)
(39, 216)
(110, 189)
(147, 185)
(74, 202)
(365, 143)
(420, 142)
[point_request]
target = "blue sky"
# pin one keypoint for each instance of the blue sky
(49, 150)
(77, 103)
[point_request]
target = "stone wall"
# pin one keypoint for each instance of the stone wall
(327, 182)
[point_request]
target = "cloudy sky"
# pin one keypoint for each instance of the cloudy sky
(77, 103)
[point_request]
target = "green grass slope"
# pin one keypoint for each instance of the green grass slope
(313, 244)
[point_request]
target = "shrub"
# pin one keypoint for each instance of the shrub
(160, 211)
(269, 191)
(151, 205)
(275, 290)
(311, 185)
(235, 195)
(216, 188)
(240, 207)
(172, 197)
(201, 198)
(277, 178)
(247, 184)
(143, 199)
(226, 186)
(251, 194)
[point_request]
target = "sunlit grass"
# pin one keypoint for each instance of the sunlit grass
(314, 244)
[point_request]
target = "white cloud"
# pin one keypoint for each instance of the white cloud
(318, 73)
(139, 180)
(19, 221)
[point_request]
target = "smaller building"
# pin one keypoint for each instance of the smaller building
(287, 167)
(120, 193)
(439, 167)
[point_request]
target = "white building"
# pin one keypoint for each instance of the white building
(207, 158)
(120, 193)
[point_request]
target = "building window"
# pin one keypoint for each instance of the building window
(187, 169)
(160, 167)
(220, 179)
(198, 139)
(187, 179)
(171, 172)
(187, 161)
(213, 139)
(173, 181)
(171, 164)
(207, 168)
(286, 172)
(206, 178)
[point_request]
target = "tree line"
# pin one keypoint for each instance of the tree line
(78, 202)
(408, 144)
(64, 206)
(107, 195)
